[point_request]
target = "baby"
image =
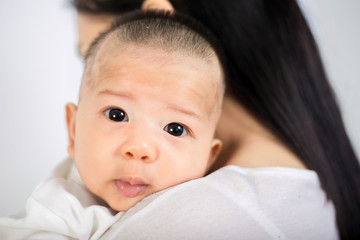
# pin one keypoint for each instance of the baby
(149, 102)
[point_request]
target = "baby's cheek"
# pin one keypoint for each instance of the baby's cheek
(189, 171)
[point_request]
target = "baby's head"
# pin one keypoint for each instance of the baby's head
(149, 103)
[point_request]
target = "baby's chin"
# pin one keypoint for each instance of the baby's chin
(122, 208)
(125, 204)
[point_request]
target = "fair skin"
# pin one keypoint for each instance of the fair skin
(137, 131)
(247, 143)
(89, 27)
(157, 4)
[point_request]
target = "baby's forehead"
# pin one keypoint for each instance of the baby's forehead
(114, 57)
(112, 48)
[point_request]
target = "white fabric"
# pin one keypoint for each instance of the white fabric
(60, 208)
(232, 203)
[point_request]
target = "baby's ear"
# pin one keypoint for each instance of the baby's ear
(71, 110)
(215, 150)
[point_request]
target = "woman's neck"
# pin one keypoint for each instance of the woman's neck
(247, 143)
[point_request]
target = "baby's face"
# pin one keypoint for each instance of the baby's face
(145, 122)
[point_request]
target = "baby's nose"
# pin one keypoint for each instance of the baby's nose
(139, 150)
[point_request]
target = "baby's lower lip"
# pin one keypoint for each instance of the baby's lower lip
(130, 190)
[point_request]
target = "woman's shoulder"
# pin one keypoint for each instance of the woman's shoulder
(236, 184)
(234, 202)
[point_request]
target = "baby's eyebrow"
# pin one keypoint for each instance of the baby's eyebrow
(183, 110)
(115, 93)
(172, 107)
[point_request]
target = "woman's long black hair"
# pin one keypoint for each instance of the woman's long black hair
(275, 71)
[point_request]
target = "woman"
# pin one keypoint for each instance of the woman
(280, 110)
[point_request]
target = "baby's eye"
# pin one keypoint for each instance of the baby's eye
(176, 129)
(117, 115)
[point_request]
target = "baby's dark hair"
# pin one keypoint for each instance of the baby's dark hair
(171, 32)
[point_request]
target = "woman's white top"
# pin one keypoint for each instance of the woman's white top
(231, 203)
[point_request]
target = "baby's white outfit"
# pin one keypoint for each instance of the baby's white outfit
(231, 203)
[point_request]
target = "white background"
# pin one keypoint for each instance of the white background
(40, 72)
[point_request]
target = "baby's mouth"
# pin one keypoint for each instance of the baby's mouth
(130, 187)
